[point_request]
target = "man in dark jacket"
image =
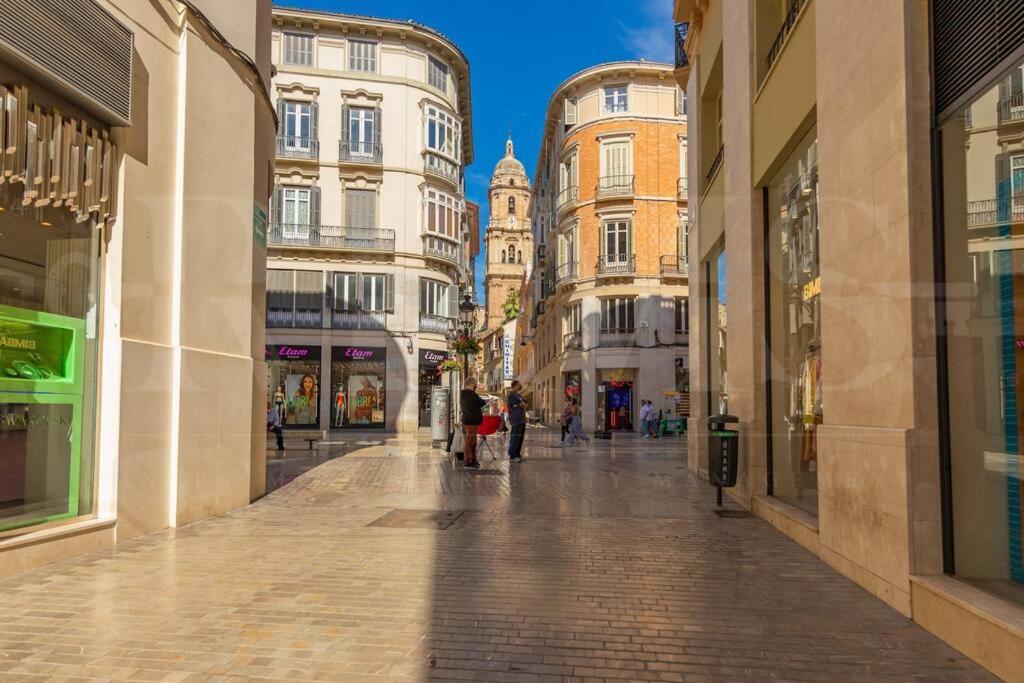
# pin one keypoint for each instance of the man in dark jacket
(472, 415)
(516, 421)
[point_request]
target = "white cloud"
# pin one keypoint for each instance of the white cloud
(649, 36)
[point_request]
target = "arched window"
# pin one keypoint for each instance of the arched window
(511, 205)
(504, 257)
(519, 256)
(511, 253)
(512, 182)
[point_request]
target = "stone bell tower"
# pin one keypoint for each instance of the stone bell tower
(509, 239)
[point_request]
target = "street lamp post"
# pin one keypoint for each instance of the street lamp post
(467, 316)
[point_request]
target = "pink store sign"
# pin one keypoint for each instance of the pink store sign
(357, 353)
(287, 352)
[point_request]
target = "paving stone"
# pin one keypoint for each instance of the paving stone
(600, 563)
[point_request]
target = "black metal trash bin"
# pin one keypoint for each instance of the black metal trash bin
(723, 450)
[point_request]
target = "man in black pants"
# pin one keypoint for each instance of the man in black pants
(516, 421)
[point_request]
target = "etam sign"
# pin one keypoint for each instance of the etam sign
(285, 352)
(357, 353)
(432, 358)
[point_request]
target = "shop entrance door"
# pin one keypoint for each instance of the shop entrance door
(618, 406)
(428, 378)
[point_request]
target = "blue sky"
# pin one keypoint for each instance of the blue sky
(518, 53)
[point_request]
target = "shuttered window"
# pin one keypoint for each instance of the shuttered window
(616, 158)
(437, 74)
(297, 49)
(360, 208)
(434, 298)
(362, 55)
(617, 315)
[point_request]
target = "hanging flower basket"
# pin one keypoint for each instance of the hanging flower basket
(449, 366)
(465, 345)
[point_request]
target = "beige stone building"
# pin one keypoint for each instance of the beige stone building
(858, 192)
(604, 316)
(133, 200)
(370, 247)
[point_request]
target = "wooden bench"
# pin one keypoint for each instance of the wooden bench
(312, 441)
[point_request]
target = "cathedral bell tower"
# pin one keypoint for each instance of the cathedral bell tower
(509, 238)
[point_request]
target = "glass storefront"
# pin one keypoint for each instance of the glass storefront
(714, 267)
(293, 384)
(428, 379)
(982, 154)
(573, 384)
(357, 385)
(794, 292)
(49, 271)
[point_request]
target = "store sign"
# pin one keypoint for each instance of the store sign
(812, 289)
(509, 374)
(299, 353)
(358, 353)
(56, 161)
(432, 358)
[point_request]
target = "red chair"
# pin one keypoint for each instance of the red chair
(487, 427)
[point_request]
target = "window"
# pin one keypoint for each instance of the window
(361, 208)
(570, 116)
(362, 55)
(437, 74)
(682, 316)
(574, 319)
(294, 298)
(519, 256)
(434, 298)
(567, 171)
(443, 214)
(680, 102)
(369, 292)
(616, 99)
(718, 120)
(616, 165)
(511, 253)
(297, 125)
(296, 211)
(298, 49)
(362, 123)
(511, 205)
(617, 315)
(443, 133)
(373, 293)
(617, 241)
(346, 292)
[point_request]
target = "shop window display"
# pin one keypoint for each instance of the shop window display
(983, 213)
(294, 384)
(49, 266)
(795, 295)
(357, 383)
(715, 270)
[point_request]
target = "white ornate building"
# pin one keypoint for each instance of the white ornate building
(368, 214)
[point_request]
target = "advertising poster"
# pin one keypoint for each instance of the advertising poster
(366, 400)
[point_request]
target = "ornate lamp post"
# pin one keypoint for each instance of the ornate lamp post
(467, 316)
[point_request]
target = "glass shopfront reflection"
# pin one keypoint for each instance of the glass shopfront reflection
(293, 384)
(982, 151)
(357, 384)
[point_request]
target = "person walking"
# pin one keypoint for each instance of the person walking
(516, 405)
(645, 419)
(576, 424)
(566, 419)
(472, 416)
(274, 425)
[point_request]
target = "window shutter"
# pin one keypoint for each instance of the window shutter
(389, 293)
(570, 111)
(314, 206)
(277, 205)
(314, 121)
(280, 116)
(453, 302)
(377, 123)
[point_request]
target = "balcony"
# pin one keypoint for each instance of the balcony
(358, 320)
(438, 324)
(567, 197)
(565, 273)
(614, 186)
(331, 237)
(616, 264)
(674, 266)
(358, 152)
(442, 250)
(572, 341)
(293, 147)
(715, 165)
(682, 189)
(680, 34)
(787, 25)
(1011, 108)
(437, 165)
(991, 212)
(617, 338)
(682, 338)
(302, 318)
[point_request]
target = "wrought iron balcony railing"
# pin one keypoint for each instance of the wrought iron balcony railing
(615, 107)
(715, 165)
(358, 320)
(1011, 108)
(568, 196)
(617, 337)
(787, 25)
(674, 265)
(357, 151)
(988, 212)
(565, 272)
(439, 166)
(437, 324)
(305, 318)
(440, 249)
(682, 189)
(572, 341)
(614, 186)
(294, 147)
(331, 237)
(681, 31)
(616, 264)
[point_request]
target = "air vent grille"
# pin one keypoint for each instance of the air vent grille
(79, 45)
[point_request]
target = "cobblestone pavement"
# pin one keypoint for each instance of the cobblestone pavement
(604, 562)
